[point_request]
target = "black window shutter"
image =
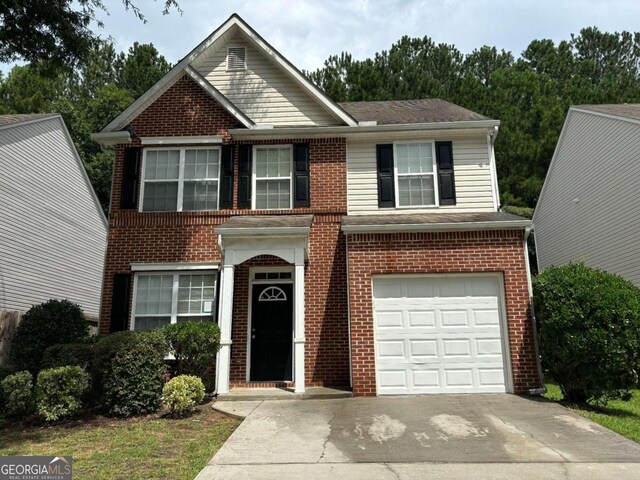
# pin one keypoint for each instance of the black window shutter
(386, 188)
(226, 177)
(301, 177)
(130, 172)
(244, 176)
(446, 180)
(120, 302)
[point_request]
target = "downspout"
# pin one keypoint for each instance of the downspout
(214, 394)
(542, 389)
(349, 311)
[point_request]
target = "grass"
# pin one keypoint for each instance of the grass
(150, 447)
(621, 417)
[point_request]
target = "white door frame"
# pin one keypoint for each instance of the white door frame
(504, 328)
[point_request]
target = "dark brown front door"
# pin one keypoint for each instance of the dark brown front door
(271, 332)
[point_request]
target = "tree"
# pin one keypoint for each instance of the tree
(58, 31)
(140, 69)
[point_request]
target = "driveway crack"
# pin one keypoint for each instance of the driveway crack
(390, 468)
(326, 440)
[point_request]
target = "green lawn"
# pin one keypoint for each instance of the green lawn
(619, 416)
(144, 448)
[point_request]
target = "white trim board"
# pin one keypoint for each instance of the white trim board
(182, 140)
(173, 267)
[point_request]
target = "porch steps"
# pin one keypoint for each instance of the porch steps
(259, 394)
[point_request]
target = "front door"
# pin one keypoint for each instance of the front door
(271, 332)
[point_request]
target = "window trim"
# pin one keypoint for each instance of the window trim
(254, 179)
(180, 179)
(174, 293)
(226, 60)
(434, 173)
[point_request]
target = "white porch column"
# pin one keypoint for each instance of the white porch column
(298, 336)
(225, 314)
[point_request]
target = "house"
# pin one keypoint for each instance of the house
(588, 209)
(53, 232)
(354, 244)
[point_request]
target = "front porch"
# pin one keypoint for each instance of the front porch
(262, 303)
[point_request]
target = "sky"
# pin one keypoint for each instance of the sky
(307, 32)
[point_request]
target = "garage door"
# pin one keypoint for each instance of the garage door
(438, 334)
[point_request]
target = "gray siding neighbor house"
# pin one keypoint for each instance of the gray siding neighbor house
(53, 233)
(589, 207)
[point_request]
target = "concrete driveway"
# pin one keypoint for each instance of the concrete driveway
(441, 437)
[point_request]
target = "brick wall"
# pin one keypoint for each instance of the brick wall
(454, 252)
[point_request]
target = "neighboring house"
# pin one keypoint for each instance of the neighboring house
(589, 209)
(355, 244)
(53, 232)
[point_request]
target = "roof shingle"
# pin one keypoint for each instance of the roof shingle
(22, 117)
(627, 110)
(398, 112)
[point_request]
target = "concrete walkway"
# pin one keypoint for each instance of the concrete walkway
(458, 436)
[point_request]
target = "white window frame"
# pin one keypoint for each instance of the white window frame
(227, 59)
(180, 178)
(254, 178)
(436, 191)
(174, 293)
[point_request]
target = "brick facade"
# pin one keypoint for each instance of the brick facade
(453, 252)
(170, 237)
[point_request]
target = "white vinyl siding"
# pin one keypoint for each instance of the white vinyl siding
(272, 178)
(184, 179)
(589, 209)
(471, 163)
(262, 91)
(163, 298)
(53, 235)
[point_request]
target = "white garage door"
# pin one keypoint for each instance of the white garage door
(438, 334)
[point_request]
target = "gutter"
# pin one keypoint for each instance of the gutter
(329, 131)
(109, 139)
(436, 227)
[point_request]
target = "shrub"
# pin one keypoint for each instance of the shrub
(52, 322)
(194, 346)
(182, 393)
(589, 322)
(65, 354)
(17, 391)
(59, 392)
(521, 211)
(129, 367)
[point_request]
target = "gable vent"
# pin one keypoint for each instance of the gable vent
(236, 58)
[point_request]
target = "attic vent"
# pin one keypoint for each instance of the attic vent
(236, 58)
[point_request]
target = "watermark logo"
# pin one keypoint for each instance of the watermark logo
(36, 468)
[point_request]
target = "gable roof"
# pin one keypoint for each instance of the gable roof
(14, 119)
(396, 112)
(214, 41)
(624, 110)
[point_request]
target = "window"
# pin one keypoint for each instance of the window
(415, 169)
(181, 179)
(236, 58)
(162, 298)
(272, 177)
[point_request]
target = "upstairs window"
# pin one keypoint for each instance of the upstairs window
(272, 179)
(415, 172)
(181, 179)
(236, 58)
(163, 298)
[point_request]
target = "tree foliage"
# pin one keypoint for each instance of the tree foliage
(56, 31)
(530, 94)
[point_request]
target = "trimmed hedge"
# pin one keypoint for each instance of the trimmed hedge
(589, 332)
(128, 372)
(182, 393)
(194, 346)
(65, 354)
(17, 392)
(59, 392)
(44, 325)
